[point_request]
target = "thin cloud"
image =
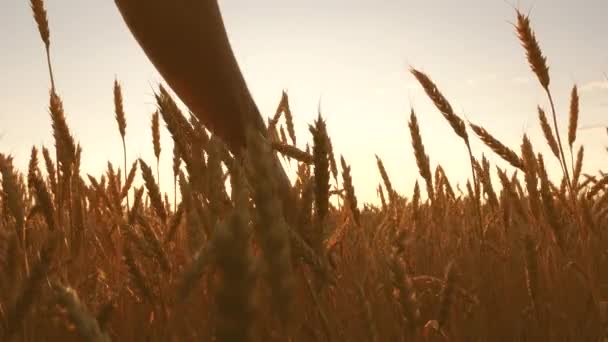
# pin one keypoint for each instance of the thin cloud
(595, 85)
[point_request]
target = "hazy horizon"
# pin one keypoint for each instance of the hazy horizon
(352, 58)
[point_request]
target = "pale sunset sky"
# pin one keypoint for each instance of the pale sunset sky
(351, 56)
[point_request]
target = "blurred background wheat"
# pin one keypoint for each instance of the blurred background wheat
(240, 251)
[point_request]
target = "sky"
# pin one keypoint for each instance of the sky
(351, 57)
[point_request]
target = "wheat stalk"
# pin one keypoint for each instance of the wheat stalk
(156, 141)
(544, 124)
(122, 125)
(43, 28)
(538, 64)
(573, 122)
(531, 173)
(153, 190)
(321, 177)
(273, 231)
(351, 198)
(422, 159)
(447, 295)
(177, 161)
(50, 169)
(79, 314)
(234, 295)
(392, 195)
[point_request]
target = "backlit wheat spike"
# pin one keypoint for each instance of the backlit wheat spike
(177, 162)
(387, 181)
(283, 102)
(113, 187)
(293, 152)
(65, 149)
(333, 166)
(544, 124)
(486, 181)
(33, 169)
(64, 142)
(422, 159)
(156, 141)
(537, 61)
(137, 204)
(321, 176)
(153, 242)
(119, 111)
(351, 198)
(440, 194)
(510, 192)
(41, 21)
(121, 120)
(380, 192)
(50, 169)
(578, 167)
(45, 202)
(175, 223)
(130, 178)
(573, 122)
(416, 204)
(99, 190)
(305, 205)
(446, 182)
(153, 190)
(14, 195)
(183, 134)
(531, 174)
(478, 169)
(283, 135)
(458, 126)
(485, 163)
(289, 120)
(551, 213)
(45, 34)
(441, 103)
(499, 148)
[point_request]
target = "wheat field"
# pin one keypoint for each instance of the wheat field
(241, 253)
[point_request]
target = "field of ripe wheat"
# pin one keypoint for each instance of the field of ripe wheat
(241, 253)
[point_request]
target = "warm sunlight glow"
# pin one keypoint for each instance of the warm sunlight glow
(176, 170)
